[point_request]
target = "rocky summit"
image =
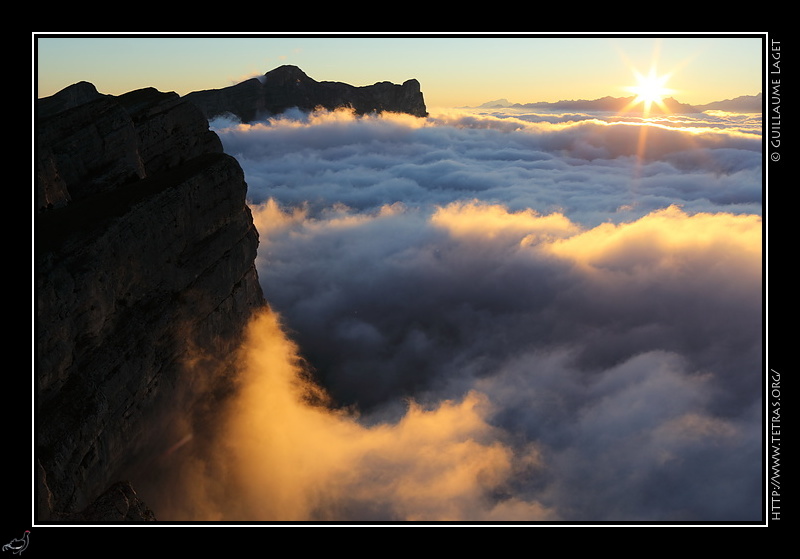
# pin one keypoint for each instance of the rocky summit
(288, 87)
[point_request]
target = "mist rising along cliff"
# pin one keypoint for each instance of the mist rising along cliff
(288, 87)
(144, 274)
(144, 254)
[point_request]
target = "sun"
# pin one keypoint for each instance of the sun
(650, 89)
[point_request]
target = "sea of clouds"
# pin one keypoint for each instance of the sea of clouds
(498, 315)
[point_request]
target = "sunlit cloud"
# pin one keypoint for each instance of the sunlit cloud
(558, 360)
(665, 240)
(490, 222)
(283, 455)
(584, 168)
(496, 317)
(620, 380)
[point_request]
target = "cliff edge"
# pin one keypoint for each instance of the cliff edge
(144, 251)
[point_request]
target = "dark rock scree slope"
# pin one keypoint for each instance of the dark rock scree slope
(144, 251)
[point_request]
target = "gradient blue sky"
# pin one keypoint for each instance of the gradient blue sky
(453, 71)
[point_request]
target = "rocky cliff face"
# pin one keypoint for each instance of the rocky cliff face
(288, 86)
(144, 253)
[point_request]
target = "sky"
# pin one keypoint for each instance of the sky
(453, 71)
(495, 315)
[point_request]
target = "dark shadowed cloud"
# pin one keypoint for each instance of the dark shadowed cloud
(516, 316)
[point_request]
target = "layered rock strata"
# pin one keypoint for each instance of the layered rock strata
(144, 252)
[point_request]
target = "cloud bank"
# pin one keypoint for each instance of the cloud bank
(589, 169)
(497, 317)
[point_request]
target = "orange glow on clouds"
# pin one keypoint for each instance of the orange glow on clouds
(489, 221)
(666, 240)
(287, 459)
(658, 240)
(281, 456)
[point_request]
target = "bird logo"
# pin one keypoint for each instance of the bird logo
(18, 545)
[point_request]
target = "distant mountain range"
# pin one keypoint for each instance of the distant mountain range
(742, 104)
